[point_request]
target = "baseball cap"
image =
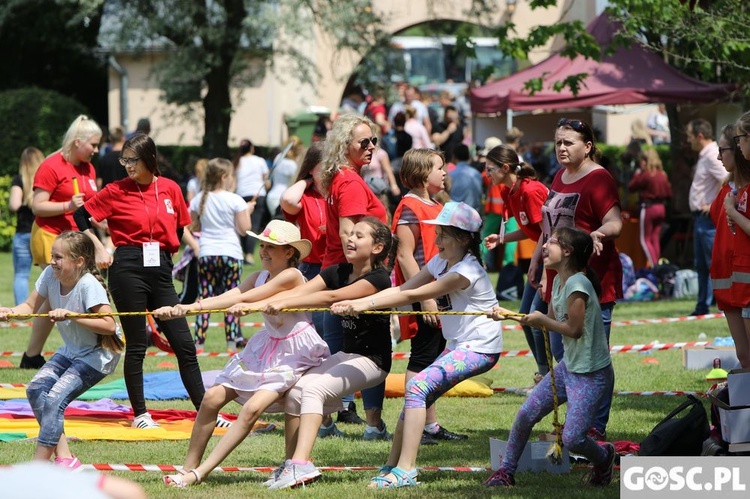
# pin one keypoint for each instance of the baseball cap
(459, 215)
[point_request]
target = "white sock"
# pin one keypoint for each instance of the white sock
(432, 428)
(372, 429)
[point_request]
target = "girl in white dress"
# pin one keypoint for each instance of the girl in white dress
(271, 363)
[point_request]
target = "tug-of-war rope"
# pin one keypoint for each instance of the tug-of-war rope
(259, 469)
(555, 452)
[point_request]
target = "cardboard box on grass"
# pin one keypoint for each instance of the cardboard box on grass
(738, 381)
(735, 421)
(702, 357)
(534, 457)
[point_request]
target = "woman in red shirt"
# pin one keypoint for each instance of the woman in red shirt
(146, 215)
(523, 195)
(304, 205)
(348, 147)
(61, 184)
(652, 184)
(730, 257)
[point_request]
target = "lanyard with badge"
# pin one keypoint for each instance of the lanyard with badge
(151, 248)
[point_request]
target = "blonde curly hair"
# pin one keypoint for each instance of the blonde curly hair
(335, 151)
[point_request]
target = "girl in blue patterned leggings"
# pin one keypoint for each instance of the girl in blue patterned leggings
(456, 280)
(585, 372)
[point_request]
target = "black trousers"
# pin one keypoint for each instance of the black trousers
(136, 288)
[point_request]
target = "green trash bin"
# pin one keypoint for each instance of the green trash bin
(302, 125)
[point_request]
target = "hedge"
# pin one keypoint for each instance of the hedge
(33, 117)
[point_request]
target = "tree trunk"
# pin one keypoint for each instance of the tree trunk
(217, 107)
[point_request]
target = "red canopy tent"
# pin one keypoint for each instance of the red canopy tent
(631, 75)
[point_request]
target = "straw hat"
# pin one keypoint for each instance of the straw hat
(489, 144)
(280, 233)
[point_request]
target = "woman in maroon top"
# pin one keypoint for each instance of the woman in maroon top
(583, 194)
(653, 188)
(146, 215)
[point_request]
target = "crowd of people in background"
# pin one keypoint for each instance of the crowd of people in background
(382, 185)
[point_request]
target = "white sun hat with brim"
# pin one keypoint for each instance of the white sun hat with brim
(279, 232)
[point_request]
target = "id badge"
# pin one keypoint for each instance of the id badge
(151, 254)
(501, 234)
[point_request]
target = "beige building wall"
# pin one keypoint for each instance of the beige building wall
(259, 111)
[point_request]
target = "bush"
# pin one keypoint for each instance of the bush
(34, 117)
(7, 219)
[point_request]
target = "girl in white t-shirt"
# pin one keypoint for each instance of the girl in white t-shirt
(284, 170)
(585, 373)
(456, 280)
(221, 216)
(91, 348)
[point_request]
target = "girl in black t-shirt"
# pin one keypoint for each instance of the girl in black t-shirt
(363, 363)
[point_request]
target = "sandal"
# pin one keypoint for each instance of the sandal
(380, 481)
(178, 480)
(405, 478)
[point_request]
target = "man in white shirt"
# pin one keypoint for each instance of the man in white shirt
(708, 178)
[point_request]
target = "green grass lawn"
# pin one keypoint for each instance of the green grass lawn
(481, 418)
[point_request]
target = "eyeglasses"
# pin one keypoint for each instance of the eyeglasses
(738, 137)
(491, 169)
(553, 240)
(131, 161)
(722, 149)
(365, 143)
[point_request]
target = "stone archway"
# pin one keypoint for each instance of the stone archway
(336, 67)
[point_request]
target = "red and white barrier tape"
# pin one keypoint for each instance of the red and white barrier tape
(506, 327)
(405, 355)
(670, 393)
(166, 468)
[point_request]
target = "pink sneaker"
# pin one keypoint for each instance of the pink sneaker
(71, 463)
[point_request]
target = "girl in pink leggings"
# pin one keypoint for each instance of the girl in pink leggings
(456, 279)
(586, 371)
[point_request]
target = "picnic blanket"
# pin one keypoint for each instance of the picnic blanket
(104, 420)
(163, 385)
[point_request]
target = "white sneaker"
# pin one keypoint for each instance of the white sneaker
(144, 422)
(275, 474)
(222, 422)
(329, 431)
(294, 475)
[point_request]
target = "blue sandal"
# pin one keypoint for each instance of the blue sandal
(404, 478)
(380, 481)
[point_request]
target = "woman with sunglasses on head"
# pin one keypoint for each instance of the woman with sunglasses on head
(349, 146)
(146, 216)
(583, 194)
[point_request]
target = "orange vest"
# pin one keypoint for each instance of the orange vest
(427, 238)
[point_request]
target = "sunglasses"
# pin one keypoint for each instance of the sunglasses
(365, 143)
(577, 125)
(738, 137)
(131, 161)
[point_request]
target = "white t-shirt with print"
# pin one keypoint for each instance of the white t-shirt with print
(79, 343)
(478, 333)
(218, 235)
